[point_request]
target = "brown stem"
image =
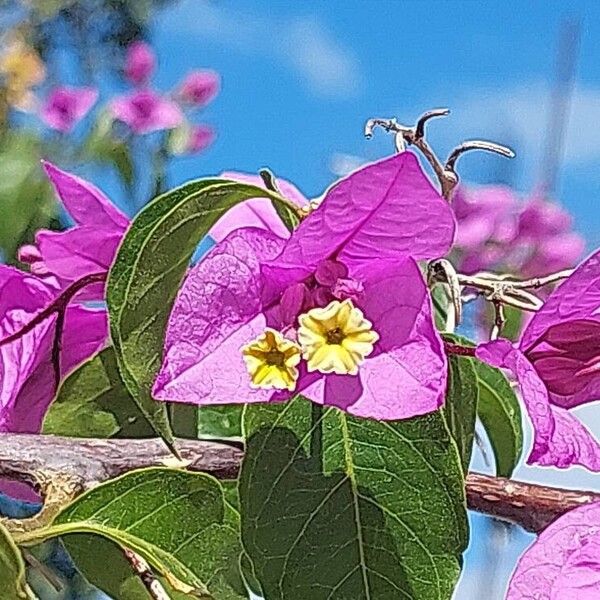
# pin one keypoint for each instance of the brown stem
(92, 461)
(529, 505)
(154, 587)
(458, 349)
(58, 305)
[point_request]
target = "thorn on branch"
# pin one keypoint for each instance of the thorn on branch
(445, 173)
(476, 145)
(431, 114)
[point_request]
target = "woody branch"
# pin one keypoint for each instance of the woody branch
(88, 462)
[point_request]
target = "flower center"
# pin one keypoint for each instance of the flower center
(335, 336)
(336, 339)
(272, 361)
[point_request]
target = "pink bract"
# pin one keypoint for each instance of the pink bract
(557, 365)
(564, 562)
(27, 378)
(140, 62)
(362, 243)
(66, 106)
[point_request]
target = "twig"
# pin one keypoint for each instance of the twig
(147, 577)
(415, 136)
(529, 505)
(58, 305)
(92, 461)
(499, 319)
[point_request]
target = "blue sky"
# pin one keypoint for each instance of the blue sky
(301, 78)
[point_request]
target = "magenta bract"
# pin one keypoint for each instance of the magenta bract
(66, 106)
(27, 378)
(557, 365)
(564, 562)
(361, 243)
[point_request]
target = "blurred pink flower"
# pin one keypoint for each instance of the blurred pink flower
(200, 137)
(66, 106)
(199, 88)
(498, 231)
(140, 62)
(145, 111)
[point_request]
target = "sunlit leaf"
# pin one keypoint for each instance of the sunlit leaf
(460, 408)
(147, 273)
(385, 519)
(176, 520)
(12, 570)
(500, 413)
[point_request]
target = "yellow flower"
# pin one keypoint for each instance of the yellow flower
(272, 361)
(336, 339)
(21, 69)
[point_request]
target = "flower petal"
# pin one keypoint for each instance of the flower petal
(85, 333)
(501, 353)
(27, 379)
(577, 297)
(571, 444)
(258, 212)
(564, 562)
(560, 439)
(216, 312)
(77, 252)
(86, 204)
(386, 209)
(406, 374)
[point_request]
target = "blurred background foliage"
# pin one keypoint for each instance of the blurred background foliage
(46, 44)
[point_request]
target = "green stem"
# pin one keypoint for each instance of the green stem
(316, 435)
(160, 168)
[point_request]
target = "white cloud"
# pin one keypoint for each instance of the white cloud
(302, 44)
(522, 112)
(328, 67)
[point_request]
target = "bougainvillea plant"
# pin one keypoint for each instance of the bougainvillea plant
(135, 134)
(300, 362)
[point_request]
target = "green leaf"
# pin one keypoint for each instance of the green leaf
(500, 413)
(387, 516)
(148, 270)
(460, 408)
(220, 421)
(12, 570)
(93, 402)
(92, 554)
(176, 520)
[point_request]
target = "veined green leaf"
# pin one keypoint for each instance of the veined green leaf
(176, 520)
(460, 408)
(92, 554)
(146, 275)
(385, 519)
(12, 570)
(94, 402)
(220, 421)
(500, 413)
